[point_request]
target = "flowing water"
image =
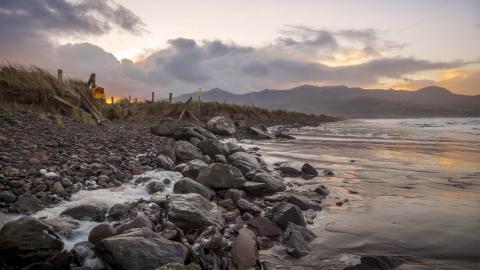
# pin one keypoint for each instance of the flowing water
(418, 184)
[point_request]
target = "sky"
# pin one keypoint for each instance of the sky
(136, 47)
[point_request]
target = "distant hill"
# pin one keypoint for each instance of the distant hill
(430, 101)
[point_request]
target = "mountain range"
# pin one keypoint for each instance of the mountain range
(354, 102)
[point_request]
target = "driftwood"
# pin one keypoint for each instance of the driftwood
(90, 107)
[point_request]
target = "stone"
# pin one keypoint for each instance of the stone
(296, 199)
(186, 133)
(328, 173)
(220, 125)
(164, 128)
(213, 147)
(219, 176)
(235, 194)
(220, 159)
(155, 186)
(227, 204)
(87, 212)
(233, 148)
(40, 188)
(297, 240)
(139, 249)
(185, 151)
(273, 184)
(283, 213)
(121, 211)
(28, 240)
(58, 188)
(165, 162)
(260, 134)
(255, 189)
(231, 216)
(264, 243)
(187, 185)
(7, 196)
(63, 226)
(309, 169)
(101, 231)
(83, 254)
(244, 250)
(246, 206)
(322, 191)
(264, 227)
(244, 162)
(139, 221)
(192, 168)
(289, 171)
(27, 205)
(192, 211)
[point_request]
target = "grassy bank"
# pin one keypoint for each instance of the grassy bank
(34, 89)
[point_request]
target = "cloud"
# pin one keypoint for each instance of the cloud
(301, 54)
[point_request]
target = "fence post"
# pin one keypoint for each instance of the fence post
(135, 100)
(112, 100)
(129, 99)
(170, 97)
(60, 75)
(153, 96)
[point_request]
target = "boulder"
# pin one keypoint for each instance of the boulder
(264, 227)
(220, 176)
(244, 250)
(213, 147)
(139, 249)
(28, 240)
(63, 226)
(186, 133)
(296, 199)
(192, 211)
(155, 186)
(255, 189)
(233, 148)
(87, 212)
(101, 231)
(309, 169)
(185, 151)
(7, 196)
(289, 171)
(220, 125)
(244, 162)
(192, 168)
(273, 184)
(297, 240)
(58, 188)
(246, 206)
(322, 191)
(27, 205)
(164, 127)
(165, 162)
(187, 185)
(84, 255)
(139, 221)
(283, 213)
(121, 211)
(220, 159)
(260, 134)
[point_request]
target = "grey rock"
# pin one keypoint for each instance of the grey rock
(187, 185)
(192, 168)
(27, 205)
(297, 240)
(273, 184)
(233, 148)
(255, 189)
(221, 126)
(139, 249)
(246, 206)
(58, 188)
(7, 196)
(309, 169)
(261, 134)
(28, 240)
(283, 213)
(244, 250)
(220, 159)
(192, 211)
(185, 151)
(87, 212)
(244, 162)
(82, 252)
(235, 194)
(139, 221)
(101, 231)
(155, 186)
(186, 133)
(165, 162)
(219, 175)
(213, 147)
(289, 171)
(63, 226)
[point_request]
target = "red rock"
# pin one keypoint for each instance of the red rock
(227, 204)
(231, 217)
(264, 227)
(244, 250)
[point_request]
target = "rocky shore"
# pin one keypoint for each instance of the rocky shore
(220, 207)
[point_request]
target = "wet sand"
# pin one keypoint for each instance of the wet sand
(417, 185)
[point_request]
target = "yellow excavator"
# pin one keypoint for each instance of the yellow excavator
(98, 92)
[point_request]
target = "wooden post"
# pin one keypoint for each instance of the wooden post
(135, 100)
(153, 97)
(112, 100)
(129, 99)
(199, 102)
(60, 75)
(170, 97)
